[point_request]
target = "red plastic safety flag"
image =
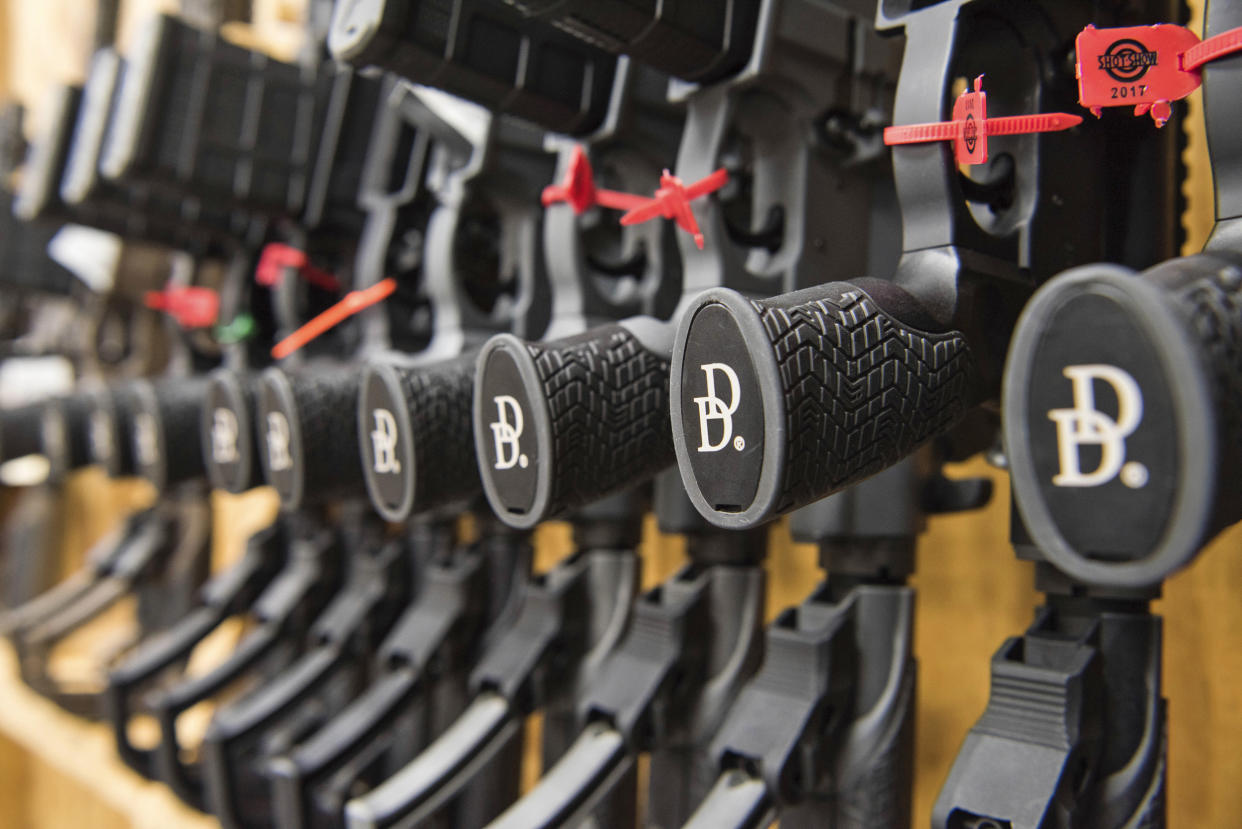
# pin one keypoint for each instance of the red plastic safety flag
(1138, 66)
(350, 304)
(578, 190)
(191, 307)
(971, 110)
(578, 187)
(1145, 67)
(672, 201)
(276, 257)
(971, 126)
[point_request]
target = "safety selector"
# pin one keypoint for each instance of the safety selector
(229, 441)
(1123, 416)
(415, 438)
(563, 423)
(309, 427)
(780, 402)
(164, 430)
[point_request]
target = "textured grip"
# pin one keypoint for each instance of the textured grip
(783, 401)
(561, 424)
(228, 431)
(701, 42)
(481, 51)
(1123, 397)
(66, 434)
(165, 430)
(21, 431)
(111, 421)
(1212, 308)
(415, 437)
(309, 427)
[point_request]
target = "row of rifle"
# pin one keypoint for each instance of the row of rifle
(533, 260)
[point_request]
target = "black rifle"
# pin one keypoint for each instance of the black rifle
(312, 402)
(308, 189)
(1133, 416)
(568, 619)
(413, 425)
(127, 136)
(595, 406)
(836, 382)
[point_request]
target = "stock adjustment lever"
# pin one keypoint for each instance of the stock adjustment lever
(780, 402)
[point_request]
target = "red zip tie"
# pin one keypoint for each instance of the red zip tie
(350, 304)
(922, 133)
(578, 186)
(276, 257)
(1024, 124)
(672, 201)
(579, 191)
(970, 128)
(1217, 46)
(193, 307)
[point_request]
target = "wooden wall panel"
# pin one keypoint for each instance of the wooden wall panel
(46, 42)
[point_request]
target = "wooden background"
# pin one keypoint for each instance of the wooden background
(973, 593)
